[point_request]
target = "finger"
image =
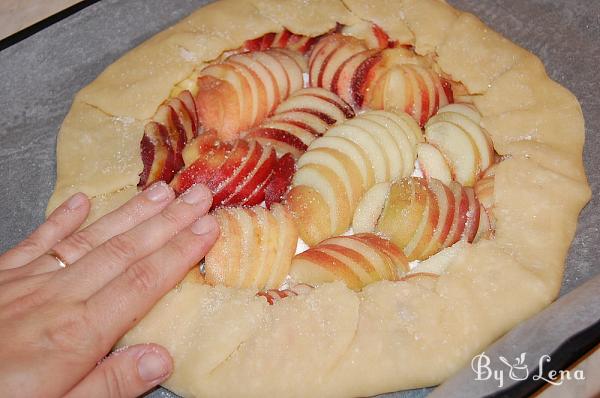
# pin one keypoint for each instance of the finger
(41, 265)
(140, 208)
(110, 259)
(119, 305)
(126, 373)
(63, 221)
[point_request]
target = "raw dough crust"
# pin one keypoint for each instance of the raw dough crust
(333, 341)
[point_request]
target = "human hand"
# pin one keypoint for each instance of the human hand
(57, 324)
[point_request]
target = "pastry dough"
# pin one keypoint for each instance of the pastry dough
(333, 341)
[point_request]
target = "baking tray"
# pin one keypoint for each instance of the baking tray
(40, 74)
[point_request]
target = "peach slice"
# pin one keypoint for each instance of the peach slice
(424, 232)
(375, 151)
(158, 157)
(421, 105)
(252, 236)
(446, 203)
(268, 229)
(264, 75)
(294, 65)
(223, 260)
(218, 107)
(406, 122)
(311, 214)
(287, 239)
(281, 80)
(308, 121)
(341, 165)
(356, 262)
(327, 111)
(459, 220)
(397, 129)
(332, 189)
(480, 138)
(184, 119)
(256, 178)
(167, 117)
(196, 147)
(386, 140)
(378, 259)
(370, 207)
(344, 80)
(429, 78)
(466, 110)
(305, 136)
(330, 97)
(245, 168)
(324, 47)
(335, 60)
(315, 267)
(473, 216)
(393, 252)
(353, 151)
(187, 99)
(433, 164)
(458, 148)
(404, 209)
(258, 102)
(231, 74)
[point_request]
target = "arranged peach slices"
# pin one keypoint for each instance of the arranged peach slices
(457, 146)
(301, 137)
(254, 250)
(339, 167)
(421, 216)
(357, 260)
(299, 120)
(241, 91)
(365, 73)
(238, 173)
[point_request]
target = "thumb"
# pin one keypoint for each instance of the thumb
(129, 372)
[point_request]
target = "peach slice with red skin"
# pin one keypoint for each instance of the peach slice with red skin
(343, 81)
(473, 216)
(445, 201)
(280, 180)
(459, 220)
(158, 157)
(354, 260)
(335, 60)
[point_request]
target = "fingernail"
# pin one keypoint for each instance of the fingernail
(158, 192)
(76, 201)
(152, 366)
(196, 194)
(204, 225)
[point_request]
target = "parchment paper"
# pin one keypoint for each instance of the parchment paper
(40, 75)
